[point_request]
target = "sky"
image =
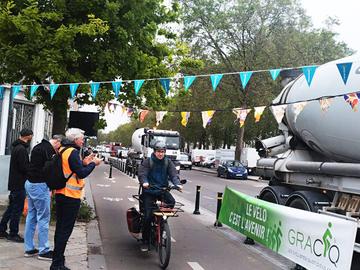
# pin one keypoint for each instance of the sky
(346, 11)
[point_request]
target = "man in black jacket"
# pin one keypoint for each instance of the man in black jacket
(38, 195)
(19, 163)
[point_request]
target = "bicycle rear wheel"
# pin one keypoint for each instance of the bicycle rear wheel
(165, 246)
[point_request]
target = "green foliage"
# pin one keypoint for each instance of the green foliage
(86, 212)
(78, 41)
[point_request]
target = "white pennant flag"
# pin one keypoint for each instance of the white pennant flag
(297, 108)
(206, 117)
(325, 103)
(241, 114)
(159, 116)
(278, 112)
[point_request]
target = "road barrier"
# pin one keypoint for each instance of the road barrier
(197, 201)
(218, 207)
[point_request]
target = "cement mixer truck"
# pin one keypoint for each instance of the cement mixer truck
(315, 163)
(143, 138)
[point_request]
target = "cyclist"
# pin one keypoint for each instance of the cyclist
(154, 174)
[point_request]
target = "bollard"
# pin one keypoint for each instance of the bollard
(218, 207)
(121, 166)
(197, 201)
(110, 173)
(134, 171)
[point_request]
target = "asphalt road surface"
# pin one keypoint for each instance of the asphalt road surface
(196, 243)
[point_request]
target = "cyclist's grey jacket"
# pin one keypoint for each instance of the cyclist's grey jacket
(157, 173)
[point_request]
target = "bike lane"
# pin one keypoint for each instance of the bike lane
(196, 244)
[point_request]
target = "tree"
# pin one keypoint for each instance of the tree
(61, 41)
(248, 35)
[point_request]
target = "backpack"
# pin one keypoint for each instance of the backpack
(53, 171)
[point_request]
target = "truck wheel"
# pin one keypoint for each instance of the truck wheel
(307, 200)
(275, 194)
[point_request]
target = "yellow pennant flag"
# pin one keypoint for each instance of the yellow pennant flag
(206, 117)
(185, 118)
(258, 113)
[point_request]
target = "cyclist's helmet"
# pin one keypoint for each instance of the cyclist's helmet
(159, 145)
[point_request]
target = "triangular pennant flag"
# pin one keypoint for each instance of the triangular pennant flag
(206, 117)
(325, 103)
(94, 88)
(353, 100)
(274, 73)
(278, 112)
(258, 112)
(1, 92)
(137, 85)
(297, 108)
(159, 116)
(123, 109)
(309, 72)
(53, 88)
(16, 90)
(344, 69)
(130, 112)
(73, 89)
(241, 114)
(188, 80)
(33, 89)
(165, 83)
(245, 77)
(143, 114)
(116, 87)
(215, 80)
(185, 118)
(111, 107)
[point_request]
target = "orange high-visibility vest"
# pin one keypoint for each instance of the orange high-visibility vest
(74, 185)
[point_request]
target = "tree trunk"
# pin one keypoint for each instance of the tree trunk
(59, 118)
(239, 142)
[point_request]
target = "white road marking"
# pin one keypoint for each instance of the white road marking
(131, 199)
(173, 240)
(112, 199)
(101, 185)
(108, 199)
(189, 181)
(133, 187)
(207, 197)
(195, 266)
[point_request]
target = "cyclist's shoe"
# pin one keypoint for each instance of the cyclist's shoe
(144, 247)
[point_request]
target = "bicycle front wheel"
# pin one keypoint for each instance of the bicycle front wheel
(165, 246)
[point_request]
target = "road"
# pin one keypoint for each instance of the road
(196, 243)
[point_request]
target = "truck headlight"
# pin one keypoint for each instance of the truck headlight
(177, 167)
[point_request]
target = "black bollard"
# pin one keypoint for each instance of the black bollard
(218, 207)
(197, 201)
(134, 171)
(110, 173)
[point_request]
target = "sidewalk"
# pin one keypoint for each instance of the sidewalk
(12, 254)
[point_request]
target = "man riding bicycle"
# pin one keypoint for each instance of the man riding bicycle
(154, 175)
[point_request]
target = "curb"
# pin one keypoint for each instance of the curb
(96, 259)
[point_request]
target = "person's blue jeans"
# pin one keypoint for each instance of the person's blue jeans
(13, 212)
(38, 195)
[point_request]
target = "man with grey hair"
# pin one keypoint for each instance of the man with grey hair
(68, 198)
(38, 195)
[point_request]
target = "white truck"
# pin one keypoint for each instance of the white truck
(315, 163)
(143, 138)
(249, 157)
(199, 155)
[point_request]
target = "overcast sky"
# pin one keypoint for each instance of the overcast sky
(347, 11)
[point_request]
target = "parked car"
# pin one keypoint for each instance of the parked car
(184, 161)
(208, 162)
(232, 169)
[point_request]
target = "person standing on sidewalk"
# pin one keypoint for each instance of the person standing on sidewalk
(68, 198)
(19, 163)
(38, 195)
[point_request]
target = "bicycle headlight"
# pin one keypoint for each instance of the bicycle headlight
(177, 167)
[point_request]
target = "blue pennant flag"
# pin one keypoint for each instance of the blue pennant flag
(344, 69)
(165, 83)
(309, 72)
(53, 88)
(73, 88)
(245, 77)
(33, 89)
(215, 80)
(274, 73)
(137, 85)
(94, 88)
(16, 90)
(188, 80)
(116, 87)
(1, 92)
